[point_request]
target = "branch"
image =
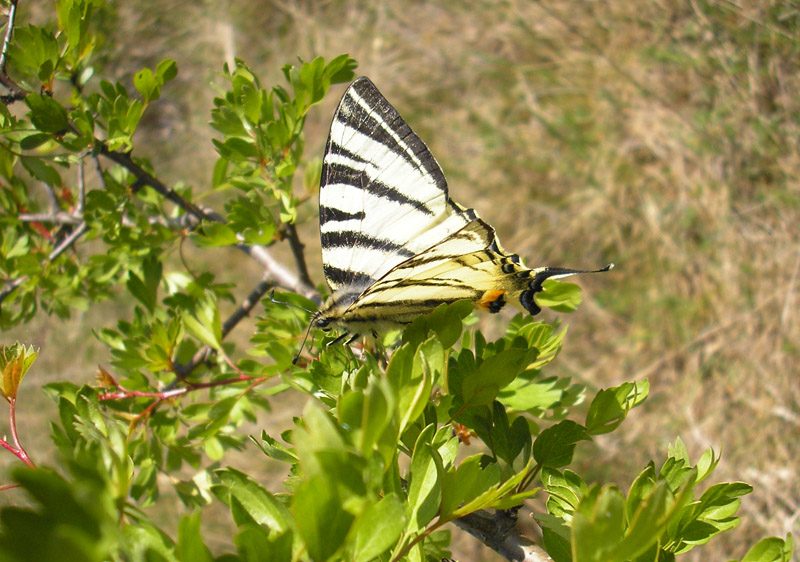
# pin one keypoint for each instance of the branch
(498, 531)
(282, 276)
(54, 218)
(81, 189)
(12, 14)
(121, 392)
(16, 449)
(17, 93)
(299, 255)
(143, 176)
(65, 244)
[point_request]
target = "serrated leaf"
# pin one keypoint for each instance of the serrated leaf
(555, 445)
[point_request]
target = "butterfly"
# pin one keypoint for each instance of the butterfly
(394, 244)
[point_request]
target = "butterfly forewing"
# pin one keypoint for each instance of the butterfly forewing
(383, 197)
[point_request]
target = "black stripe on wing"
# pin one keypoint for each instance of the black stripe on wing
(382, 113)
(339, 173)
(346, 278)
(331, 214)
(353, 238)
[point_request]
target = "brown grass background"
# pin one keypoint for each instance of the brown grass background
(661, 135)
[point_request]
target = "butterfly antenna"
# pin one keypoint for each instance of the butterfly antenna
(302, 345)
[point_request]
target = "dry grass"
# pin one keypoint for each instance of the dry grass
(660, 135)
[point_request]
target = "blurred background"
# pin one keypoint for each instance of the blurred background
(663, 135)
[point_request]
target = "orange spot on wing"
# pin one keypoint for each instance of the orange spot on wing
(490, 297)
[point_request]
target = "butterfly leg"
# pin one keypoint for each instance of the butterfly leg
(340, 338)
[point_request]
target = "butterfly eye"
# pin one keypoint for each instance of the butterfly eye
(322, 323)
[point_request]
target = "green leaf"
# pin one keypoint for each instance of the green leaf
(320, 517)
(647, 523)
(445, 321)
(425, 488)
(34, 54)
(481, 386)
(190, 546)
(146, 84)
(166, 70)
(41, 171)
(468, 481)
(565, 491)
(411, 373)
(254, 500)
(598, 525)
(34, 140)
(205, 324)
(255, 545)
(378, 528)
(559, 295)
(215, 234)
(59, 519)
(771, 549)
(555, 445)
(46, 114)
(146, 289)
(610, 406)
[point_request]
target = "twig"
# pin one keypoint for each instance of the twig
(68, 241)
(204, 353)
(99, 169)
(16, 449)
(81, 189)
(282, 276)
(121, 392)
(22, 454)
(143, 176)
(17, 93)
(170, 393)
(299, 256)
(55, 218)
(498, 532)
(12, 14)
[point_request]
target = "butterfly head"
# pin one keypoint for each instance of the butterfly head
(321, 321)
